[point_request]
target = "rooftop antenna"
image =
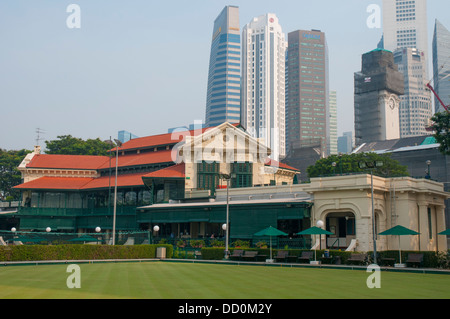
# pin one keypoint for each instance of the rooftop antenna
(39, 131)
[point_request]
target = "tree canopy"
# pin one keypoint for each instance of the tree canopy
(10, 176)
(69, 145)
(440, 126)
(349, 163)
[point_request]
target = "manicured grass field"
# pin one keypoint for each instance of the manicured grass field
(176, 280)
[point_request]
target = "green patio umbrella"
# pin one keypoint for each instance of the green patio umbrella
(270, 231)
(445, 232)
(399, 231)
(315, 231)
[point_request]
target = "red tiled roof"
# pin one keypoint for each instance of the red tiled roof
(175, 171)
(273, 163)
(156, 140)
(83, 183)
(46, 182)
(124, 180)
(67, 161)
(140, 159)
(89, 162)
(162, 139)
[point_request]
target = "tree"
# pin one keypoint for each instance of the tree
(68, 145)
(10, 176)
(349, 163)
(440, 127)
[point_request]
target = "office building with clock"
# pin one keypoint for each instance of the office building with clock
(378, 87)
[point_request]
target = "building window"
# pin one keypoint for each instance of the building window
(207, 176)
(244, 174)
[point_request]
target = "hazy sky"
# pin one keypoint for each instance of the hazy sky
(142, 65)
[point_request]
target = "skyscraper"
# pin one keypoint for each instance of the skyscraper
(441, 65)
(405, 27)
(345, 142)
(224, 83)
(405, 24)
(416, 106)
(263, 82)
(333, 138)
(307, 106)
(377, 89)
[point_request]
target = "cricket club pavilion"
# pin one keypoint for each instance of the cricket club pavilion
(181, 182)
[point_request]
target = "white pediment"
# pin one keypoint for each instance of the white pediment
(223, 143)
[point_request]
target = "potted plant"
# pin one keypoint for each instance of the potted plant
(241, 243)
(198, 243)
(217, 243)
(261, 244)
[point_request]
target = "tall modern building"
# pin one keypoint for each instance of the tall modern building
(377, 89)
(224, 83)
(441, 65)
(307, 105)
(345, 142)
(405, 24)
(333, 138)
(125, 136)
(416, 105)
(263, 82)
(405, 27)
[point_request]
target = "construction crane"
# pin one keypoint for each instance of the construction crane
(437, 96)
(446, 107)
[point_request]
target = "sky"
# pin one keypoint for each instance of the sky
(142, 65)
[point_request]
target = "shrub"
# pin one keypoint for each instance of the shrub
(213, 253)
(79, 252)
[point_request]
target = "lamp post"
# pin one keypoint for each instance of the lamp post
(428, 176)
(334, 167)
(320, 225)
(371, 165)
(156, 230)
(226, 226)
(117, 144)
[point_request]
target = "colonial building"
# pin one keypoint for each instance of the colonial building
(188, 183)
(343, 203)
(76, 193)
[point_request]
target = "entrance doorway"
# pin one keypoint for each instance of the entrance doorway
(343, 226)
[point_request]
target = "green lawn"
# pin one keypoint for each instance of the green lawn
(169, 280)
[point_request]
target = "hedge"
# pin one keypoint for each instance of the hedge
(80, 252)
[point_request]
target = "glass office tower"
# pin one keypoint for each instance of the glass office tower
(307, 106)
(441, 65)
(224, 82)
